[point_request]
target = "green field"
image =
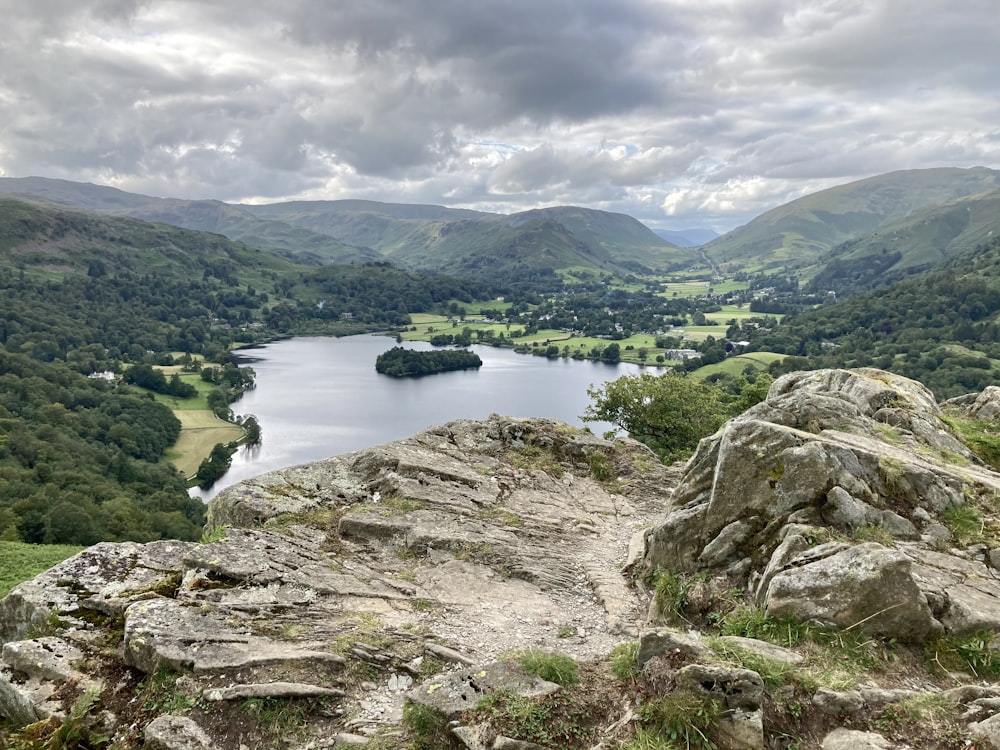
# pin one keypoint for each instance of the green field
(200, 431)
(19, 561)
(735, 365)
(200, 428)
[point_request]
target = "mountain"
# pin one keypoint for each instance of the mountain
(49, 238)
(688, 237)
(415, 237)
(432, 238)
(799, 233)
(924, 240)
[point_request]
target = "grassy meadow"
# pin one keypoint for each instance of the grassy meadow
(20, 561)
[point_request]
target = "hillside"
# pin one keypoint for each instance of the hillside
(940, 327)
(799, 233)
(926, 239)
(52, 239)
(494, 247)
(688, 237)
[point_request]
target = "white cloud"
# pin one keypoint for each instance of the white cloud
(680, 112)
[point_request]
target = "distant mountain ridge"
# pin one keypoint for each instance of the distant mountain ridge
(688, 237)
(415, 237)
(798, 234)
(846, 238)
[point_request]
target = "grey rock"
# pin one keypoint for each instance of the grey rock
(843, 510)
(738, 688)
(448, 654)
(453, 693)
(721, 549)
(986, 732)
(765, 649)
(346, 739)
(166, 633)
(838, 703)
(169, 732)
(17, 705)
(271, 690)
(852, 739)
(868, 587)
(986, 406)
(740, 730)
(659, 641)
(48, 658)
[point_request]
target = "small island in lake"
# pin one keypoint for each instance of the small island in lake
(402, 363)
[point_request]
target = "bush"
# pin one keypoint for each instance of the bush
(558, 668)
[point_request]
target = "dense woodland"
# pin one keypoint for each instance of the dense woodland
(402, 363)
(939, 328)
(79, 460)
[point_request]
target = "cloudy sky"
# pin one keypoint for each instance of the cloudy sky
(683, 113)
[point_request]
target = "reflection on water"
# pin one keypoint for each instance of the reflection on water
(318, 397)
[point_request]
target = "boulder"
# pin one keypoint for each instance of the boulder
(866, 587)
(845, 450)
(169, 732)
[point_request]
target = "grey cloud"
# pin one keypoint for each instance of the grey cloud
(713, 108)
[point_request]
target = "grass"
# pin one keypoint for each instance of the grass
(960, 653)
(552, 667)
(736, 365)
(681, 717)
(965, 522)
(624, 665)
(20, 562)
(200, 431)
(427, 728)
(672, 590)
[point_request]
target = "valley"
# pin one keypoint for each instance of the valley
(90, 285)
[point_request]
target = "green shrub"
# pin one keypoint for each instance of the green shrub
(600, 466)
(623, 661)
(965, 522)
(683, 718)
(646, 740)
(972, 652)
(557, 720)
(558, 668)
(427, 727)
(672, 592)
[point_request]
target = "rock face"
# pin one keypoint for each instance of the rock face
(346, 581)
(422, 574)
(782, 500)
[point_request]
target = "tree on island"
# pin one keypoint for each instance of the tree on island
(401, 363)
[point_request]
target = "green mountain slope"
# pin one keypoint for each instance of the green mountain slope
(417, 237)
(941, 327)
(925, 240)
(60, 240)
(432, 238)
(799, 233)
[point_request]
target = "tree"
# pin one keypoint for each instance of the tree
(670, 413)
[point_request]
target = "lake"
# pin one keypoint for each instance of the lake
(318, 397)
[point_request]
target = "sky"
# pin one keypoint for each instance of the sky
(682, 113)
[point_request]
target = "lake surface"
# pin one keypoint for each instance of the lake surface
(318, 397)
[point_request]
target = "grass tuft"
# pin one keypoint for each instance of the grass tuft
(552, 667)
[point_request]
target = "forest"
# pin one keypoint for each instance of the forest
(80, 460)
(401, 363)
(939, 328)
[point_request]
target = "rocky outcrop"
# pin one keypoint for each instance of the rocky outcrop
(396, 597)
(339, 585)
(830, 502)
